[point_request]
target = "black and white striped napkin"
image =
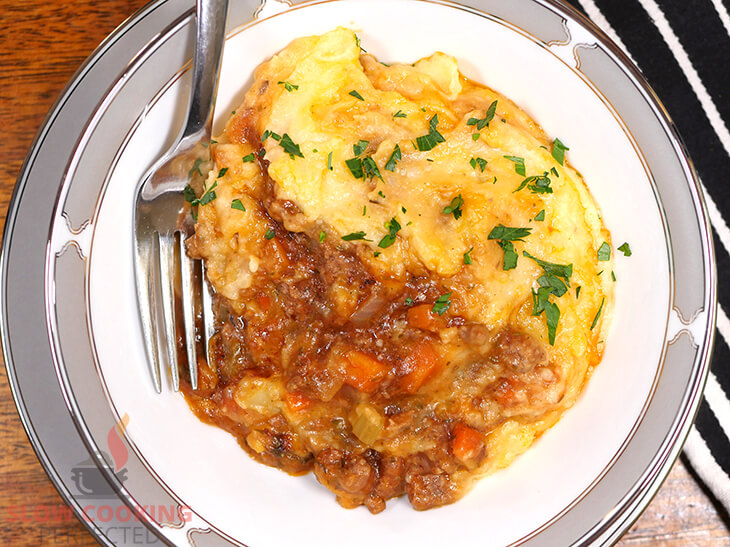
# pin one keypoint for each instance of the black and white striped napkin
(683, 49)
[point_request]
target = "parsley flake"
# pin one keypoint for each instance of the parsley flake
(322, 235)
(537, 184)
(429, 141)
(454, 208)
(559, 151)
(624, 248)
(290, 147)
(249, 158)
(478, 162)
(236, 204)
(540, 216)
(356, 95)
(222, 172)
(208, 195)
(519, 164)
(329, 161)
(604, 252)
(393, 227)
(400, 114)
(467, 256)
(475, 136)
(270, 234)
(355, 236)
(394, 158)
(195, 168)
(484, 122)
(442, 304)
(598, 313)
(360, 147)
(505, 236)
(289, 87)
(409, 301)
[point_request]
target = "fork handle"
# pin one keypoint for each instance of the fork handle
(210, 34)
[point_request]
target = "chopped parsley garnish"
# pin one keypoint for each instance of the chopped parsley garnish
(356, 95)
(505, 236)
(322, 235)
(271, 134)
(454, 208)
(236, 204)
(624, 248)
(519, 164)
(208, 195)
(195, 168)
(540, 216)
(189, 193)
(559, 151)
(364, 210)
(467, 256)
(362, 167)
(550, 283)
(355, 167)
(400, 114)
(475, 136)
(558, 270)
(355, 236)
(577, 291)
(555, 172)
(484, 122)
(371, 168)
(329, 161)
(213, 141)
(314, 150)
(428, 142)
(393, 159)
(222, 172)
(270, 234)
(249, 158)
(506, 233)
(537, 184)
(613, 275)
(604, 252)
(480, 162)
(289, 87)
(381, 194)
(510, 256)
(290, 147)
(403, 209)
(393, 227)
(598, 313)
(409, 301)
(442, 304)
(360, 147)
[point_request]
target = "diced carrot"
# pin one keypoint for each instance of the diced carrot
(298, 401)
(421, 365)
(363, 371)
(421, 317)
(467, 442)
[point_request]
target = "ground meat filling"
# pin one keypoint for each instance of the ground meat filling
(332, 370)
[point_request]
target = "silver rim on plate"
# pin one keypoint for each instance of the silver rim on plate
(38, 278)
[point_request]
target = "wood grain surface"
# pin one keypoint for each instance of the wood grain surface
(42, 43)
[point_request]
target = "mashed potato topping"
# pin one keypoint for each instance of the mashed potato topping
(412, 280)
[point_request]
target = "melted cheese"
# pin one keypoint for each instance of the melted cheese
(324, 118)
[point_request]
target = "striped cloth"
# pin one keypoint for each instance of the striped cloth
(683, 49)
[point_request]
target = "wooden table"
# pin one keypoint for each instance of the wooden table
(42, 43)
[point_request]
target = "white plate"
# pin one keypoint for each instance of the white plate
(584, 480)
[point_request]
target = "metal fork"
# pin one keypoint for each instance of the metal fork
(160, 206)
